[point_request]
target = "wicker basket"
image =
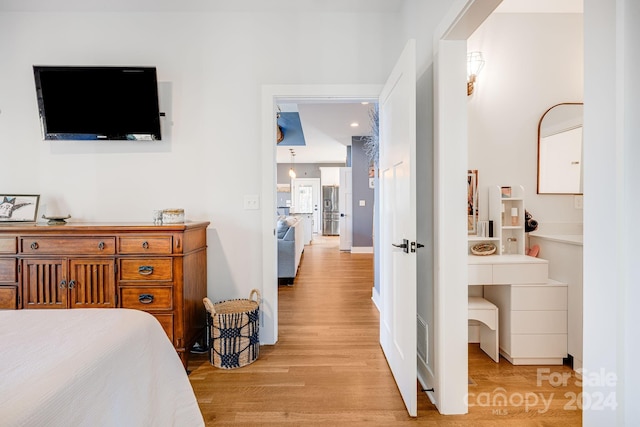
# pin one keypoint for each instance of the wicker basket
(235, 331)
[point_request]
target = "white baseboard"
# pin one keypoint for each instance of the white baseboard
(361, 249)
(375, 296)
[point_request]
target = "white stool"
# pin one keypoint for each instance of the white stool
(484, 311)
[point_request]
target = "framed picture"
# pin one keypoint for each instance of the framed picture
(18, 207)
(505, 192)
(472, 201)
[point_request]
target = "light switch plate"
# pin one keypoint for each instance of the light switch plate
(578, 201)
(251, 202)
(362, 203)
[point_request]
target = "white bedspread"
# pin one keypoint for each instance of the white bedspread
(91, 367)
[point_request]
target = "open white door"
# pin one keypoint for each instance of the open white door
(345, 201)
(398, 225)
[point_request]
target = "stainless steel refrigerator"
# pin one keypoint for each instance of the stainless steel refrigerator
(330, 211)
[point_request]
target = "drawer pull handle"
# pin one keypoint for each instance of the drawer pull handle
(145, 270)
(63, 284)
(72, 284)
(101, 246)
(145, 298)
(145, 245)
(34, 245)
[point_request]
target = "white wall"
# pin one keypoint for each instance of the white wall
(213, 65)
(532, 61)
(611, 156)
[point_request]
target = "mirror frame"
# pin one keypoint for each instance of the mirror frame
(539, 134)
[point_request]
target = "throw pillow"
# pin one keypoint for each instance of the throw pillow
(291, 220)
(281, 228)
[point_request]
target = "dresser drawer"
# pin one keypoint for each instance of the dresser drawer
(166, 321)
(156, 245)
(68, 245)
(146, 269)
(8, 245)
(8, 297)
(147, 297)
(8, 270)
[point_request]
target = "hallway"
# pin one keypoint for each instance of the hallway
(328, 368)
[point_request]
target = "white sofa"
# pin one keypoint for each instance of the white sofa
(290, 233)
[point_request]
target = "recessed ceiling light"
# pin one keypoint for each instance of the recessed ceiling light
(364, 103)
(354, 125)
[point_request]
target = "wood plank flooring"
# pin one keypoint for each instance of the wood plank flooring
(328, 368)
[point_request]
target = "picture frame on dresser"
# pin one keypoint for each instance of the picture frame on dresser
(472, 201)
(19, 207)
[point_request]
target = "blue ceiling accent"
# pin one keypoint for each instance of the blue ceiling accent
(292, 129)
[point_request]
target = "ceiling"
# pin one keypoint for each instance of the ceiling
(540, 6)
(379, 6)
(376, 6)
(327, 130)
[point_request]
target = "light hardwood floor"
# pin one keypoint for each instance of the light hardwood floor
(328, 368)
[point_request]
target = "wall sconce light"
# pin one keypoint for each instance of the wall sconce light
(475, 62)
(292, 172)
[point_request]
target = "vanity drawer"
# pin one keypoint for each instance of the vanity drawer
(68, 245)
(8, 245)
(156, 245)
(480, 274)
(8, 270)
(146, 269)
(513, 274)
(539, 297)
(539, 346)
(147, 297)
(539, 322)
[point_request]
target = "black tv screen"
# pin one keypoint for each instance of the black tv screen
(98, 103)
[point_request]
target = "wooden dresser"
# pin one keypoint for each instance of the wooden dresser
(161, 269)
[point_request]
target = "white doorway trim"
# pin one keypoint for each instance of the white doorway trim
(450, 240)
(271, 94)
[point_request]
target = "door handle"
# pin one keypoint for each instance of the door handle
(416, 245)
(404, 245)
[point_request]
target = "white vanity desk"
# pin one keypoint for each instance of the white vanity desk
(532, 307)
(564, 252)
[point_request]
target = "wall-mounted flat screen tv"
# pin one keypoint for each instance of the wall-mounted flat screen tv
(98, 103)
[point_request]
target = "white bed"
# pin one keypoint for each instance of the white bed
(91, 367)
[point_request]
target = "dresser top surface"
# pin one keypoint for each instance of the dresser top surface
(99, 226)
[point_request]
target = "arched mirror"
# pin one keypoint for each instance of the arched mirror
(560, 150)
